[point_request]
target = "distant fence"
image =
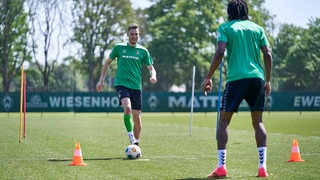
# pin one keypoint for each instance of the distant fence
(152, 102)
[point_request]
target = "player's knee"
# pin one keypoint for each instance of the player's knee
(127, 110)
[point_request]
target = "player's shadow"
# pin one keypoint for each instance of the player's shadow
(250, 177)
(191, 178)
(201, 178)
(86, 159)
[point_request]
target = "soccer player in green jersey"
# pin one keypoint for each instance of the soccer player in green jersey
(130, 58)
(246, 79)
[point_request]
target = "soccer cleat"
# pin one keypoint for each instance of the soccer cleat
(220, 172)
(262, 172)
(135, 142)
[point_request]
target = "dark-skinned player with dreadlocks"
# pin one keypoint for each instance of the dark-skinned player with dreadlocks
(246, 79)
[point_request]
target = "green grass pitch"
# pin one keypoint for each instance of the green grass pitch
(168, 151)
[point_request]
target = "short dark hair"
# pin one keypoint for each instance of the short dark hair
(237, 9)
(133, 26)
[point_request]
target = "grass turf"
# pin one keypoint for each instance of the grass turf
(168, 150)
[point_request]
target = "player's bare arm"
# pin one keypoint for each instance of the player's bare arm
(216, 60)
(153, 74)
(105, 68)
(267, 57)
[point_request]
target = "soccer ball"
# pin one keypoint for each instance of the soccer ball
(133, 152)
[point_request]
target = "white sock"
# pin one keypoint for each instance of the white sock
(262, 155)
(222, 155)
(131, 137)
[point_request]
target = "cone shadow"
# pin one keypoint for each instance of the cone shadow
(86, 159)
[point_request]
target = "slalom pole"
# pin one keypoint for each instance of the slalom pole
(192, 99)
(24, 105)
(219, 99)
(21, 103)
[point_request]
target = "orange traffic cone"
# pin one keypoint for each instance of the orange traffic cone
(295, 153)
(77, 157)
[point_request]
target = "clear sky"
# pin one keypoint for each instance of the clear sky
(297, 12)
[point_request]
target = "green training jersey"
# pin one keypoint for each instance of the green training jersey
(244, 39)
(129, 61)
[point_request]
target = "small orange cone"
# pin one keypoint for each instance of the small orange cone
(295, 152)
(77, 157)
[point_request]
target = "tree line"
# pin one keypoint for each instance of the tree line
(65, 42)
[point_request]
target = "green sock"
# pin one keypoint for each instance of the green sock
(128, 122)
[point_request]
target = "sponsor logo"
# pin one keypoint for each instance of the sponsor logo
(83, 101)
(268, 102)
(36, 102)
(7, 102)
(130, 57)
(153, 101)
(306, 101)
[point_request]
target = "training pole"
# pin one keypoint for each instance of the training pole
(24, 104)
(21, 103)
(219, 99)
(192, 99)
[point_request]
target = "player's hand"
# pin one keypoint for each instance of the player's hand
(153, 80)
(207, 86)
(99, 86)
(267, 88)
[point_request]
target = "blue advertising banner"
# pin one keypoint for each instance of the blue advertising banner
(152, 102)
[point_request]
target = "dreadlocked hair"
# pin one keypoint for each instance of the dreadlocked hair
(237, 9)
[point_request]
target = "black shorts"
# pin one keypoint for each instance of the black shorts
(134, 95)
(251, 89)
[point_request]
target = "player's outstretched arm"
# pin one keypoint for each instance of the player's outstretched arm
(105, 68)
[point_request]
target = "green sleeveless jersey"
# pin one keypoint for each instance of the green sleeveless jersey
(129, 64)
(244, 40)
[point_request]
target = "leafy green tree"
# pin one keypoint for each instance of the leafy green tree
(184, 34)
(312, 40)
(297, 50)
(66, 78)
(259, 14)
(311, 47)
(33, 79)
(287, 37)
(13, 39)
(98, 24)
